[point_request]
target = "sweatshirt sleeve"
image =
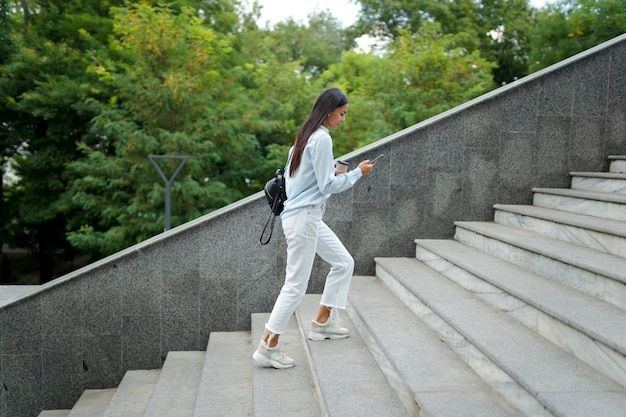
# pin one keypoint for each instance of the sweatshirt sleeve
(323, 165)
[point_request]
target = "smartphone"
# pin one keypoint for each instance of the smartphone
(377, 158)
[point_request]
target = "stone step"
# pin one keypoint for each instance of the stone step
(226, 381)
(617, 163)
(479, 326)
(176, 390)
(288, 392)
(349, 381)
(594, 334)
(605, 235)
(92, 403)
(532, 374)
(132, 394)
(607, 182)
(427, 375)
(54, 413)
(592, 203)
(594, 272)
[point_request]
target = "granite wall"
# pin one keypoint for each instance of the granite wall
(84, 330)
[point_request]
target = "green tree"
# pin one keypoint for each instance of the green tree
(180, 90)
(43, 86)
(422, 75)
(89, 92)
(499, 29)
(389, 18)
(51, 87)
(568, 27)
(168, 81)
(276, 100)
(506, 30)
(316, 45)
(6, 148)
(6, 24)
(431, 72)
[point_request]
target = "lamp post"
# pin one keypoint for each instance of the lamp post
(168, 182)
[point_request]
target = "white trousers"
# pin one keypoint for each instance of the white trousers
(306, 234)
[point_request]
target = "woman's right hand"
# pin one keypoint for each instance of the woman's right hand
(366, 167)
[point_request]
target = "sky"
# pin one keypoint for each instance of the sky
(278, 10)
(345, 10)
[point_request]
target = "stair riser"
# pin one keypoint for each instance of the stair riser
(606, 185)
(489, 371)
(618, 165)
(582, 237)
(93, 402)
(397, 383)
(226, 378)
(599, 286)
(132, 394)
(176, 390)
(601, 357)
(582, 206)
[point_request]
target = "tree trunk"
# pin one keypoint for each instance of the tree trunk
(26, 15)
(3, 215)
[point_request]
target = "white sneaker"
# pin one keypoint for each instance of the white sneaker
(328, 330)
(272, 356)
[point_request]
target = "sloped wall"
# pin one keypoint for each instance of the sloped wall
(84, 330)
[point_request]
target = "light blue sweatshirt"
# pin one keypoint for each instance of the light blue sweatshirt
(314, 180)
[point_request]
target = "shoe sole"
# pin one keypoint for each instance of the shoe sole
(262, 359)
(323, 336)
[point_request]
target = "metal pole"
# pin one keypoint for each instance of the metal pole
(168, 205)
(168, 182)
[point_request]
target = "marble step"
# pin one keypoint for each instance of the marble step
(617, 163)
(133, 393)
(293, 389)
(599, 181)
(349, 381)
(605, 235)
(429, 377)
(92, 403)
(176, 390)
(533, 375)
(594, 272)
(594, 334)
(592, 203)
(226, 381)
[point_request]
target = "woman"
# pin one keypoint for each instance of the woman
(310, 180)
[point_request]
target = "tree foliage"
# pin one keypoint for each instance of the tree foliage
(89, 89)
(315, 45)
(44, 86)
(6, 148)
(173, 97)
(390, 18)
(506, 31)
(179, 91)
(499, 29)
(568, 27)
(422, 74)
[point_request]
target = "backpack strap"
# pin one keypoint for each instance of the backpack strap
(272, 219)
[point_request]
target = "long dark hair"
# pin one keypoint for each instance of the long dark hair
(326, 102)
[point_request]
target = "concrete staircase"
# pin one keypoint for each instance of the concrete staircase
(523, 316)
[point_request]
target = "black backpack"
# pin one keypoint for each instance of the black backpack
(276, 196)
